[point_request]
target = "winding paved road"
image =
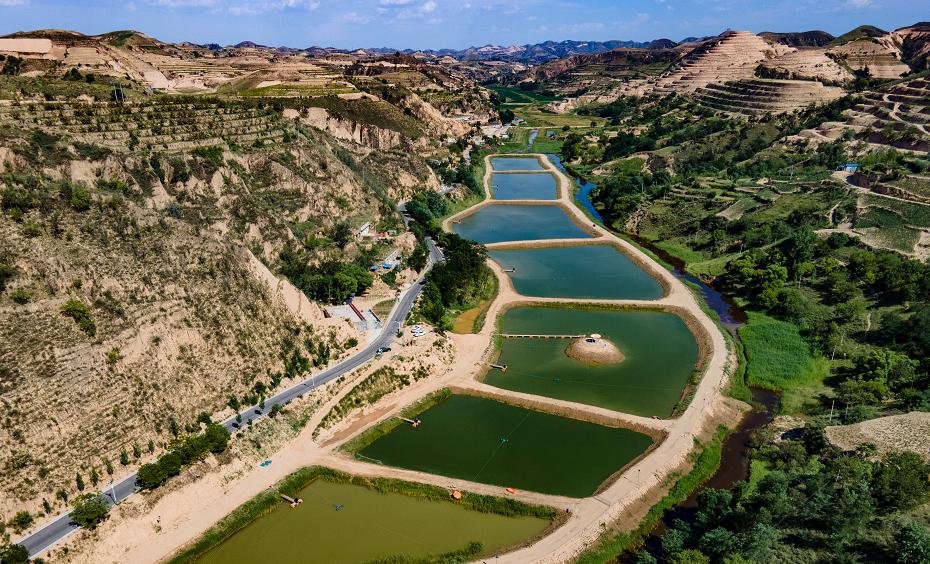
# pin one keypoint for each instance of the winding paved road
(62, 527)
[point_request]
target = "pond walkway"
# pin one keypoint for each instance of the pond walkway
(513, 336)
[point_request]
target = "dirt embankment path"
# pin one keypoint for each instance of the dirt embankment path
(647, 477)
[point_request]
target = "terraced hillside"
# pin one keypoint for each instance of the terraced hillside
(806, 64)
(898, 116)
(881, 59)
(759, 96)
(170, 124)
(733, 56)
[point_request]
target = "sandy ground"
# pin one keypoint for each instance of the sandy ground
(151, 530)
(910, 431)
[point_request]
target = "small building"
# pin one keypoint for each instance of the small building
(849, 167)
(364, 230)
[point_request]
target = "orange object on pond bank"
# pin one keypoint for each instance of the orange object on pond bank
(511, 491)
(456, 495)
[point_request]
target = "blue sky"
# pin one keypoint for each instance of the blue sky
(448, 23)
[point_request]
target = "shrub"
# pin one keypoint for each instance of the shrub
(31, 229)
(81, 315)
(6, 273)
(89, 510)
(21, 521)
(80, 198)
(20, 296)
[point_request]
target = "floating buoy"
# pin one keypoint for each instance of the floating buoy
(456, 495)
(511, 490)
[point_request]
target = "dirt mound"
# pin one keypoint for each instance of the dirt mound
(594, 351)
(910, 431)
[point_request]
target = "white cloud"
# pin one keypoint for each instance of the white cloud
(12, 2)
(859, 3)
(239, 7)
(353, 18)
(184, 3)
(428, 7)
(395, 2)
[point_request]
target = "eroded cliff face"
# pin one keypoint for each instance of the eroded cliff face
(363, 134)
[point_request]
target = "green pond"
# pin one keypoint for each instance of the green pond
(366, 526)
(660, 354)
(514, 222)
(482, 440)
(515, 163)
(587, 271)
(530, 186)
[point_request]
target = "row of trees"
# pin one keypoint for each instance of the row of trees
(463, 278)
(183, 452)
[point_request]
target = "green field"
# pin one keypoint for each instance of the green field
(780, 359)
(914, 214)
(518, 96)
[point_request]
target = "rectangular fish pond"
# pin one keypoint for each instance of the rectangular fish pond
(516, 163)
(529, 186)
(583, 271)
(496, 223)
(640, 363)
(482, 440)
(351, 521)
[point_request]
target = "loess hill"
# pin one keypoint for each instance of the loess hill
(140, 242)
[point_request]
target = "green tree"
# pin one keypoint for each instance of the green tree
(124, 457)
(690, 556)
(418, 258)
(89, 510)
(94, 476)
(79, 482)
(913, 544)
(341, 234)
(14, 554)
(900, 481)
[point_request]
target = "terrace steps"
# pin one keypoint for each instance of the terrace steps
(757, 95)
(168, 126)
(734, 56)
(898, 117)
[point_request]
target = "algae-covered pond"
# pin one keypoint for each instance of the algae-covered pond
(482, 440)
(496, 223)
(587, 271)
(345, 523)
(530, 186)
(516, 163)
(660, 354)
